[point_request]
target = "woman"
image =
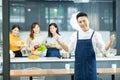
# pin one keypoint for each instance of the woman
(16, 44)
(53, 48)
(35, 38)
(85, 42)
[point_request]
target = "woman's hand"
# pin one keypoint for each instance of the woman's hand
(56, 37)
(21, 44)
(47, 44)
(62, 45)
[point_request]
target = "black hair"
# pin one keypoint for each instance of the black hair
(57, 31)
(81, 14)
(15, 26)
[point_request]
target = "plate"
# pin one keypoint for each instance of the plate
(52, 45)
(36, 52)
(33, 57)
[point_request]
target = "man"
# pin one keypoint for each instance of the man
(84, 42)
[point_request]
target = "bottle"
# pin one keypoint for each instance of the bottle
(68, 55)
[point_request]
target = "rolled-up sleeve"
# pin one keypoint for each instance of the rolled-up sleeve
(99, 43)
(72, 43)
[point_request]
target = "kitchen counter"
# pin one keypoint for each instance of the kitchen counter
(55, 59)
(56, 63)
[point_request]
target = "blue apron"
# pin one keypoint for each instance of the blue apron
(85, 60)
(53, 52)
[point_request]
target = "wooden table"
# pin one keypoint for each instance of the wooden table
(110, 71)
(42, 72)
(59, 72)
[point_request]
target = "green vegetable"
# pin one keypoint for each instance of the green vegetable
(41, 47)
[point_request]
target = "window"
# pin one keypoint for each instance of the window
(44, 12)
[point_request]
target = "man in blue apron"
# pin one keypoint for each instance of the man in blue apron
(85, 61)
(84, 42)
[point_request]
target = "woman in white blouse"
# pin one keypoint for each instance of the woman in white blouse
(35, 38)
(84, 43)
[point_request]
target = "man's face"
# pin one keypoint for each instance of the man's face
(83, 22)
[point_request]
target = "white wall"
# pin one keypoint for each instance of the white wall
(65, 35)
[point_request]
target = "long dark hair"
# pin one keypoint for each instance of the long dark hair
(31, 30)
(15, 26)
(57, 31)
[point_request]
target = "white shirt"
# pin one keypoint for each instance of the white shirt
(97, 40)
(52, 40)
(38, 39)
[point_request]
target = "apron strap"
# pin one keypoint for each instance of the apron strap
(77, 35)
(92, 35)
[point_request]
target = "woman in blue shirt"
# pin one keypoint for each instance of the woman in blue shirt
(53, 48)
